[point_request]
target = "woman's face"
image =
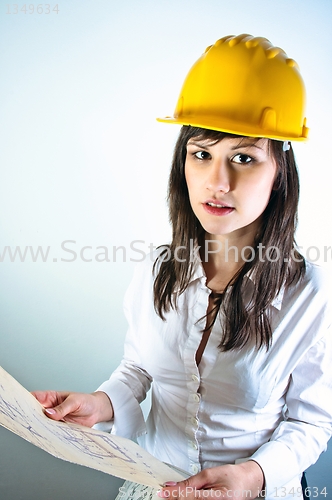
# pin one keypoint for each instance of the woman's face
(229, 183)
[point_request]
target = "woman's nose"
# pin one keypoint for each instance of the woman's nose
(219, 177)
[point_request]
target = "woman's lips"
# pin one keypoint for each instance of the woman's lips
(217, 208)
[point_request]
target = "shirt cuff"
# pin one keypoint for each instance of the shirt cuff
(278, 465)
(128, 419)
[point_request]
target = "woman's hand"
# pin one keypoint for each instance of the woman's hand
(240, 481)
(75, 407)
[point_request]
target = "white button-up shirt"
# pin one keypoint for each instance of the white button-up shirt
(274, 406)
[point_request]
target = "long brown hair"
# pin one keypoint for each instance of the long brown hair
(242, 323)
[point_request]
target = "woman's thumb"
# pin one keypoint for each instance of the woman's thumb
(61, 411)
(53, 413)
(183, 488)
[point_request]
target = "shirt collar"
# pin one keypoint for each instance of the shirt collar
(199, 274)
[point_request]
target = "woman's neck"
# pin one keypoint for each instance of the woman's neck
(223, 256)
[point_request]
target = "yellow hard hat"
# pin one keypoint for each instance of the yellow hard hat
(245, 86)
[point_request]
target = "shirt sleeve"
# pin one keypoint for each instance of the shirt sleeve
(299, 440)
(129, 383)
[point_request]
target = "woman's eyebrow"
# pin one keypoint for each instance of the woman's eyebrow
(244, 144)
(200, 144)
(241, 144)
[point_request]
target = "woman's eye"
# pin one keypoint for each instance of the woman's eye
(242, 158)
(202, 155)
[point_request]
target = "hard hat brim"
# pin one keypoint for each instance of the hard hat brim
(213, 123)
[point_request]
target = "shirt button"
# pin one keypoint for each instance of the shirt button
(195, 378)
(193, 445)
(194, 420)
(194, 469)
(195, 397)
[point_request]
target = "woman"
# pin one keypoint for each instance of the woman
(228, 321)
